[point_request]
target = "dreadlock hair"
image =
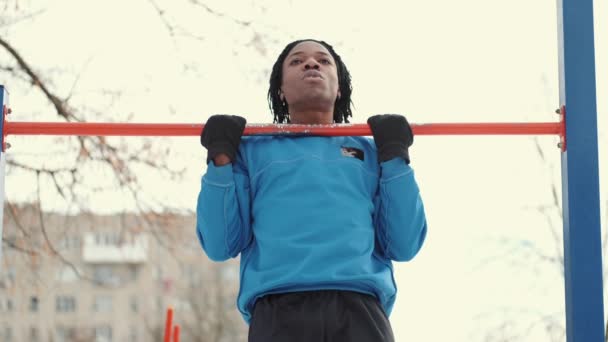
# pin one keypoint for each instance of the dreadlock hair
(280, 110)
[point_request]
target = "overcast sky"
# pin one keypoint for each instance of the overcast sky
(433, 61)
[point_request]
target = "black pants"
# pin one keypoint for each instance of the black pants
(319, 316)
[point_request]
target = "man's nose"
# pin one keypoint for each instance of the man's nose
(311, 64)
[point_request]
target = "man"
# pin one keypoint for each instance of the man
(317, 221)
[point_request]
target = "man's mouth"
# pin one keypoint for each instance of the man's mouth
(312, 74)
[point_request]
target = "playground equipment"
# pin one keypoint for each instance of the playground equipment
(171, 331)
(579, 157)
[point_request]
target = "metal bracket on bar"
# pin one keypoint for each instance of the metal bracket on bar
(562, 133)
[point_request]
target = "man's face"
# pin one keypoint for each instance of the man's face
(310, 78)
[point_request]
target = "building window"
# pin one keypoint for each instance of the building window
(65, 304)
(6, 334)
(159, 304)
(105, 275)
(107, 239)
(7, 276)
(64, 334)
(157, 272)
(103, 333)
(192, 275)
(182, 305)
(6, 305)
(133, 272)
(134, 304)
(132, 334)
(34, 304)
(67, 274)
(69, 241)
(34, 335)
(102, 303)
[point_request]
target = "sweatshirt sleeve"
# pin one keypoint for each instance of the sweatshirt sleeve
(399, 215)
(222, 212)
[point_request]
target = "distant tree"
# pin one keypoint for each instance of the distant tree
(123, 162)
(554, 216)
(511, 328)
(212, 304)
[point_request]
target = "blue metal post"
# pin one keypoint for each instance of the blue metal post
(580, 179)
(3, 109)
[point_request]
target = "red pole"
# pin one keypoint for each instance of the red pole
(176, 333)
(168, 325)
(159, 129)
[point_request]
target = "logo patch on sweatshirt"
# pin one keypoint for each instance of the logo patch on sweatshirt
(352, 152)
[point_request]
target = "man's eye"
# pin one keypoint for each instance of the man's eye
(295, 61)
(325, 61)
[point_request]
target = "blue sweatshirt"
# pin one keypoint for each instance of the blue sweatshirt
(311, 213)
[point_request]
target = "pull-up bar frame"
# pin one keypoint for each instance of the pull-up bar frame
(580, 174)
(159, 129)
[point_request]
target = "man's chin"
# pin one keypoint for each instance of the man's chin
(317, 101)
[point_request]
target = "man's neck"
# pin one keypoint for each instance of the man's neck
(312, 118)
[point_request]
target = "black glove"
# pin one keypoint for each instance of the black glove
(222, 134)
(392, 135)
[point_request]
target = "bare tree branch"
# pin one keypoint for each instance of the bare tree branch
(18, 248)
(71, 92)
(218, 14)
(4, 22)
(14, 72)
(13, 212)
(54, 251)
(161, 15)
(118, 162)
(60, 105)
(556, 206)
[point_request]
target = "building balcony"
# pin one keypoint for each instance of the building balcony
(97, 249)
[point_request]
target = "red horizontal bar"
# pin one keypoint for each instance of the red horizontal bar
(158, 129)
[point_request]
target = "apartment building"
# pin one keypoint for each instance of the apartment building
(109, 278)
